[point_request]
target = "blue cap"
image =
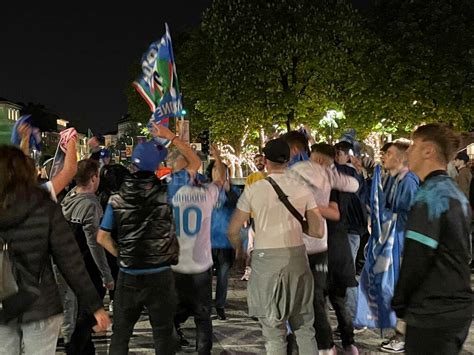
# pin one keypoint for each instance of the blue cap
(147, 156)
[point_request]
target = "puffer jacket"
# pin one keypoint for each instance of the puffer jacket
(145, 226)
(36, 231)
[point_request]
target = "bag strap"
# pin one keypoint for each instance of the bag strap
(284, 199)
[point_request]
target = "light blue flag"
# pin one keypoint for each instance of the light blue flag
(379, 276)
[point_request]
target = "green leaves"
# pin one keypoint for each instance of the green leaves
(253, 64)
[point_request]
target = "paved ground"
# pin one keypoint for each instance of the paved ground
(239, 334)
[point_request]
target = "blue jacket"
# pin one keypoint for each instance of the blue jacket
(221, 216)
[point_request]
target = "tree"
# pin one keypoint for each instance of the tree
(428, 59)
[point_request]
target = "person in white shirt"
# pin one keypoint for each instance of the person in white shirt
(280, 288)
(320, 180)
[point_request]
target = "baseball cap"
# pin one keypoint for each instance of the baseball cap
(147, 156)
(277, 151)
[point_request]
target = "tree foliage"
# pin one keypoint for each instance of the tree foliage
(252, 65)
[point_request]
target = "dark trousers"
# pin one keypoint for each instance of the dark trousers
(319, 267)
(433, 341)
(223, 260)
(114, 269)
(194, 293)
(81, 340)
(133, 293)
(337, 296)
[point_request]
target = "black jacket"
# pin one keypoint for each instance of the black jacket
(145, 226)
(36, 231)
(434, 287)
(341, 272)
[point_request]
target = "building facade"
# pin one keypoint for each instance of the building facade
(9, 114)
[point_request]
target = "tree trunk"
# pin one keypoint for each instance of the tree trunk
(261, 138)
(289, 117)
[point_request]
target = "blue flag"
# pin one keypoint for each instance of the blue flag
(158, 83)
(35, 137)
(379, 276)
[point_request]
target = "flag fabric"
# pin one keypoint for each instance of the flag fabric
(379, 275)
(158, 84)
(35, 137)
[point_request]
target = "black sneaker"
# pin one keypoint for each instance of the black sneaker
(221, 314)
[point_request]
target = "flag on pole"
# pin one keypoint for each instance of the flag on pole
(379, 276)
(158, 84)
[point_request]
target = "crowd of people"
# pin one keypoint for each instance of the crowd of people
(154, 237)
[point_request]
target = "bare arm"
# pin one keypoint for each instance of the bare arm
(65, 176)
(238, 219)
(194, 163)
(105, 239)
(315, 223)
(25, 132)
(330, 212)
(221, 179)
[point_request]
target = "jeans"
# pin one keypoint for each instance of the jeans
(433, 341)
(351, 296)
(194, 293)
(223, 260)
(319, 267)
(275, 333)
(39, 338)
(337, 297)
(133, 293)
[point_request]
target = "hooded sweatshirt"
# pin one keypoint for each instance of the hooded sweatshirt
(84, 209)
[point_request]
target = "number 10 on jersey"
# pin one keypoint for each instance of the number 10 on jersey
(188, 220)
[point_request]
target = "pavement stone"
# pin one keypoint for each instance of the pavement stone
(239, 334)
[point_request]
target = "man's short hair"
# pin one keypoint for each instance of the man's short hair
(324, 149)
(401, 144)
(296, 139)
(86, 169)
(385, 147)
(446, 139)
(462, 155)
(258, 155)
(344, 146)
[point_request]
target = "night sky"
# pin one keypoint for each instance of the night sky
(76, 60)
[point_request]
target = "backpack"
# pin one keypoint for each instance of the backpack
(19, 288)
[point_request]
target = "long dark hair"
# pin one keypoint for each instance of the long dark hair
(17, 176)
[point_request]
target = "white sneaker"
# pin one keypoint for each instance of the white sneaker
(359, 330)
(247, 272)
(394, 346)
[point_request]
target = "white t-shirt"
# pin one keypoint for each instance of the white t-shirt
(192, 210)
(275, 226)
(320, 181)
